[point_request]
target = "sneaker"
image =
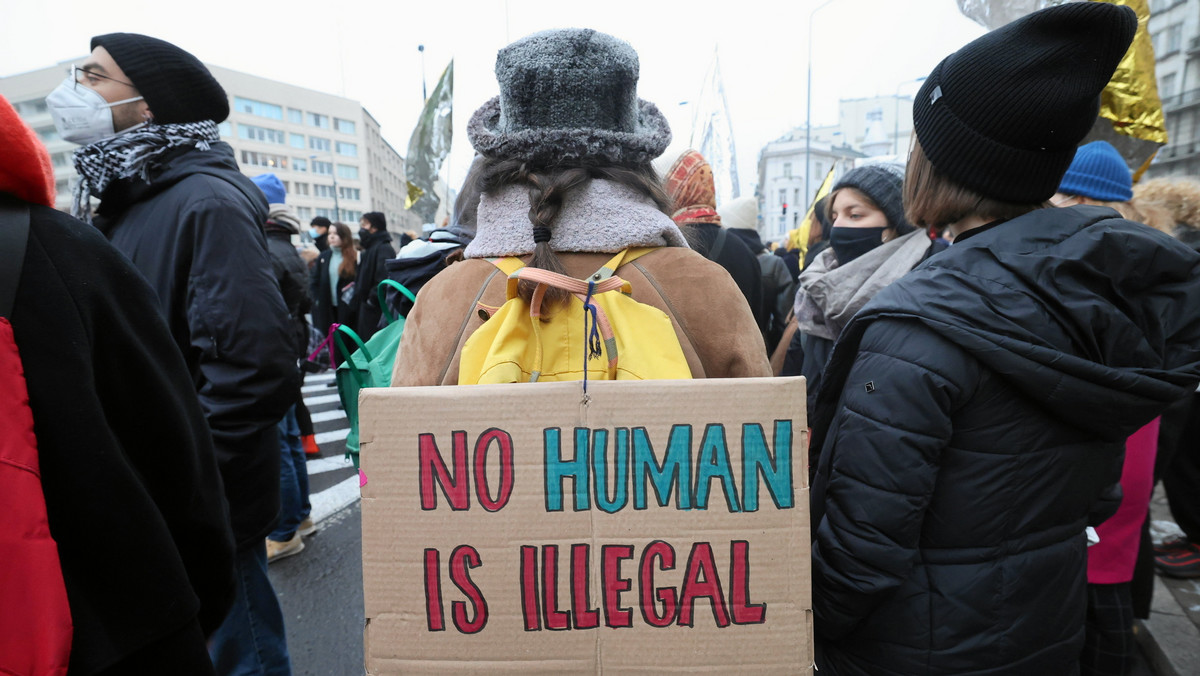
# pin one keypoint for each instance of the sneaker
(280, 550)
(307, 527)
(1182, 563)
(310, 445)
(1171, 545)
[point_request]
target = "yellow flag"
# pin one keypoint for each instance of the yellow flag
(798, 237)
(1130, 101)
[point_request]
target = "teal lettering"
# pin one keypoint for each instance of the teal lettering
(558, 469)
(714, 463)
(675, 470)
(757, 461)
(600, 467)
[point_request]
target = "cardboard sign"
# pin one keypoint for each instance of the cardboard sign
(653, 526)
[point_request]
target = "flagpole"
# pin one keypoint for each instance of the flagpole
(808, 115)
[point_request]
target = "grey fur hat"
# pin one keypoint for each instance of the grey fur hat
(569, 96)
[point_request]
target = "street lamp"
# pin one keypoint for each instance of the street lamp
(424, 96)
(896, 117)
(337, 212)
(808, 115)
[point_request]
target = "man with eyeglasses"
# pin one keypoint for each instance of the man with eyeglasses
(172, 199)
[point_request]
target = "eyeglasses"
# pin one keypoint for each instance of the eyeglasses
(78, 75)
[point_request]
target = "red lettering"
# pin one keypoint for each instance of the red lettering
(665, 553)
(556, 620)
(529, 589)
(433, 468)
(585, 616)
(744, 612)
(433, 591)
(701, 581)
(610, 571)
(463, 558)
(504, 441)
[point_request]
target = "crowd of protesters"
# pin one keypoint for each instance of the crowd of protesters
(988, 416)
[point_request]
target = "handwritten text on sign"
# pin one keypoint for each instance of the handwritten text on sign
(609, 470)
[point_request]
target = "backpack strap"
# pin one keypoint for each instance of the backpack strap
(718, 245)
(14, 233)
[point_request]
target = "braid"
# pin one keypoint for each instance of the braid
(547, 188)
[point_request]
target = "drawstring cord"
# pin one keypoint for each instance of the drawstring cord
(593, 345)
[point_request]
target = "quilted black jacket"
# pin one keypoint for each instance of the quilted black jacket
(973, 414)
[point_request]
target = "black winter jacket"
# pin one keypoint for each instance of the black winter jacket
(973, 413)
(324, 312)
(132, 488)
(372, 269)
(737, 259)
(292, 275)
(195, 233)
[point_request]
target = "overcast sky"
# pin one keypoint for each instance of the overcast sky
(367, 50)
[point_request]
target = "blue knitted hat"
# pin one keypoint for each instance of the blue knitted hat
(1098, 172)
(272, 187)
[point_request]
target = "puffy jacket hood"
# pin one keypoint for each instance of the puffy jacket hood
(1092, 316)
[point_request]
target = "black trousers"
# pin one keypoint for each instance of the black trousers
(1108, 646)
(1179, 464)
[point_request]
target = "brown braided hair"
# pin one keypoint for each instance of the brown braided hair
(547, 188)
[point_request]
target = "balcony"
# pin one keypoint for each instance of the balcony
(1177, 152)
(1178, 102)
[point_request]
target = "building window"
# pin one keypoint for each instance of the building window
(31, 107)
(1167, 89)
(318, 120)
(299, 164)
(322, 190)
(787, 169)
(59, 159)
(225, 128)
(349, 193)
(301, 188)
(819, 171)
(304, 213)
(296, 140)
(351, 216)
(318, 143)
(322, 168)
(1174, 38)
(344, 126)
(295, 116)
(783, 196)
(252, 133)
(347, 149)
(257, 108)
(256, 159)
(48, 134)
(348, 171)
(327, 213)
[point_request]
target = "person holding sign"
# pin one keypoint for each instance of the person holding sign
(974, 413)
(565, 182)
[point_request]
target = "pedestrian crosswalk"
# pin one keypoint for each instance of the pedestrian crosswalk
(333, 481)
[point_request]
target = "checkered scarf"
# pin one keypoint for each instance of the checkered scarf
(132, 154)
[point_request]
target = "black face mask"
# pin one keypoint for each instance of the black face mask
(850, 243)
(363, 233)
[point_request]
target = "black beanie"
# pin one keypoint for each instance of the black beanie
(176, 86)
(884, 185)
(1003, 115)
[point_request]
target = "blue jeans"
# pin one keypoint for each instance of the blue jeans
(251, 641)
(293, 479)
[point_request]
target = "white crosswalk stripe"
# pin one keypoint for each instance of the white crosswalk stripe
(332, 429)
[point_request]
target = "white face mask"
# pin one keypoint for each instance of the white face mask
(81, 115)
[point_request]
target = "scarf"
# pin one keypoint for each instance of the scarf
(689, 183)
(599, 216)
(132, 155)
(831, 294)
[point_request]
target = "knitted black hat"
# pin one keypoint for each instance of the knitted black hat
(569, 96)
(1002, 115)
(176, 86)
(884, 184)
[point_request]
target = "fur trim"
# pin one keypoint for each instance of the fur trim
(1179, 196)
(26, 171)
(551, 147)
(600, 216)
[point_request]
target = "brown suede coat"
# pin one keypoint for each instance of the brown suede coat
(710, 315)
